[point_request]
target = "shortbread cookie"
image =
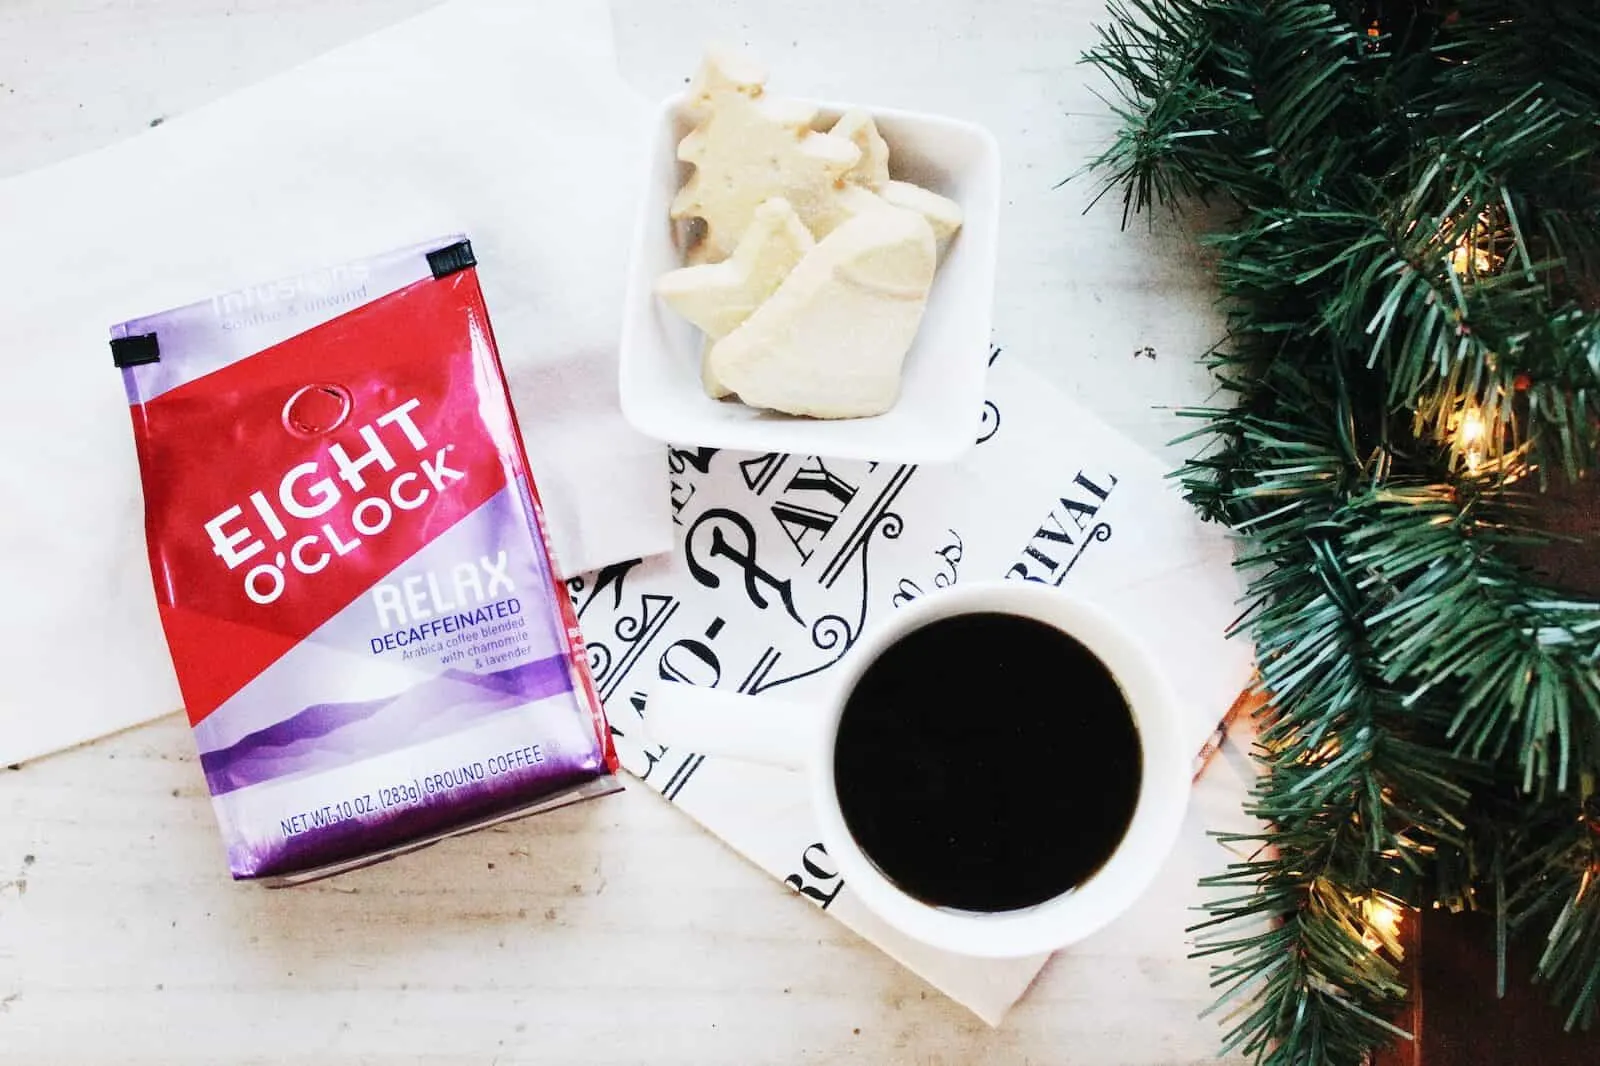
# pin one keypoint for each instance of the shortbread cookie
(748, 149)
(857, 127)
(708, 380)
(717, 297)
(943, 215)
(830, 343)
(724, 70)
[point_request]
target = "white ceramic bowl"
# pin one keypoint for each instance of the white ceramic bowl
(937, 416)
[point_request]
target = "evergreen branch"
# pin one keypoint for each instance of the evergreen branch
(1495, 47)
(1312, 988)
(1161, 154)
(1556, 865)
(1519, 662)
(1412, 296)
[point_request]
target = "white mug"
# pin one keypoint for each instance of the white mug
(801, 736)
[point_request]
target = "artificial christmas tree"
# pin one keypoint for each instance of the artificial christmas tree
(1411, 270)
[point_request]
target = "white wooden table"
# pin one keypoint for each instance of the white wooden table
(617, 931)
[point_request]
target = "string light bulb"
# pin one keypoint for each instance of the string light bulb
(1472, 436)
(1473, 254)
(1382, 916)
(1469, 258)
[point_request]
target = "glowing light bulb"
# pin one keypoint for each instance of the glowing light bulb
(1472, 437)
(1382, 916)
(1472, 253)
(1469, 258)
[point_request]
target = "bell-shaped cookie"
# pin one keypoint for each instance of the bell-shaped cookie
(832, 340)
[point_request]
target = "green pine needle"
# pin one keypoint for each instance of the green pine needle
(1412, 282)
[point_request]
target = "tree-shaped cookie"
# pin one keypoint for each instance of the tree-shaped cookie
(723, 70)
(857, 127)
(749, 148)
(868, 185)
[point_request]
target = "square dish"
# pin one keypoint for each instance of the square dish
(937, 415)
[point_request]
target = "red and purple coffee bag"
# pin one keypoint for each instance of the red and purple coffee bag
(352, 568)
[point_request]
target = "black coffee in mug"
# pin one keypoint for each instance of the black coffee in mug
(987, 762)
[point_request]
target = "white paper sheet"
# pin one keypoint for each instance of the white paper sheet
(783, 560)
(503, 120)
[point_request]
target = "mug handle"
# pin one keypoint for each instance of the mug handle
(758, 729)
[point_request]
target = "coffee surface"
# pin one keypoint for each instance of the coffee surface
(987, 762)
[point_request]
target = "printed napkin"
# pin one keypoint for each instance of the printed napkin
(506, 121)
(783, 560)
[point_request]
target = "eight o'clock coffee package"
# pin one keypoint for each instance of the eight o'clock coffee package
(351, 565)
